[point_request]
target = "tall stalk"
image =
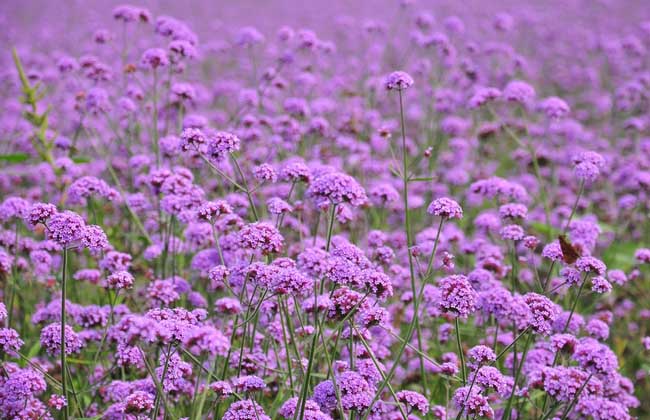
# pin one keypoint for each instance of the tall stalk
(63, 323)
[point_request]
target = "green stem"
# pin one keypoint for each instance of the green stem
(64, 373)
(461, 354)
(310, 364)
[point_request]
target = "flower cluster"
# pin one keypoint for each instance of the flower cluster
(403, 211)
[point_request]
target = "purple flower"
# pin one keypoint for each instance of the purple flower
(512, 233)
(445, 207)
(595, 357)
(193, 139)
(589, 264)
(57, 402)
(543, 311)
(139, 402)
(10, 341)
(250, 383)
(265, 172)
(336, 188)
(120, 280)
(66, 228)
(245, 410)
(457, 295)
(154, 58)
(261, 236)
(479, 356)
(40, 213)
(356, 393)
(413, 401)
(398, 80)
(473, 402)
(518, 91)
(221, 144)
(94, 238)
(14, 207)
(642, 255)
(51, 340)
(555, 108)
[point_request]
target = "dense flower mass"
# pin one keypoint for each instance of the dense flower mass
(407, 209)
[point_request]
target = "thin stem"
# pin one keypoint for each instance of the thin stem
(64, 372)
(507, 411)
(460, 353)
(310, 364)
(155, 118)
(575, 206)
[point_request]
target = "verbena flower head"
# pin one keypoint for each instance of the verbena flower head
(543, 311)
(51, 340)
(120, 280)
(413, 401)
(445, 207)
(261, 236)
(555, 108)
(245, 410)
(336, 188)
(457, 295)
(66, 228)
(398, 80)
(40, 213)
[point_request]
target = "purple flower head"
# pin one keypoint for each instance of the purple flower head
(555, 108)
(120, 280)
(482, 96)
(513, 211)
(277, 205)
(587, 165)
(445, 207)
(642, 255)
(512, 233)
(250, 383)
(14, 207)
(595, 357)
(479, 356)
(457, 295)
(336, 188)
(51, 340)
(265, 172)
(473, 402)
(57, 402)
(94, 238)
(66, 228)
(245, 410)
(154, 58)
(413, 401)
(211, 210)
(261, 236)
(10, 341)
(398, 80)
(543, 311)
(40, 213)
(356, 393)
(139, 402)
(600, 284)
(221, 144)
(518, 91)
(589, 264)
(296, 172)
(193, 139)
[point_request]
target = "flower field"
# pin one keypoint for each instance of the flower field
(401, 209)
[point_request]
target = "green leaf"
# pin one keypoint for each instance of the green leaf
(34, 349)
(548, 231)
(14, 157)
(81, 159)
(620, 255)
